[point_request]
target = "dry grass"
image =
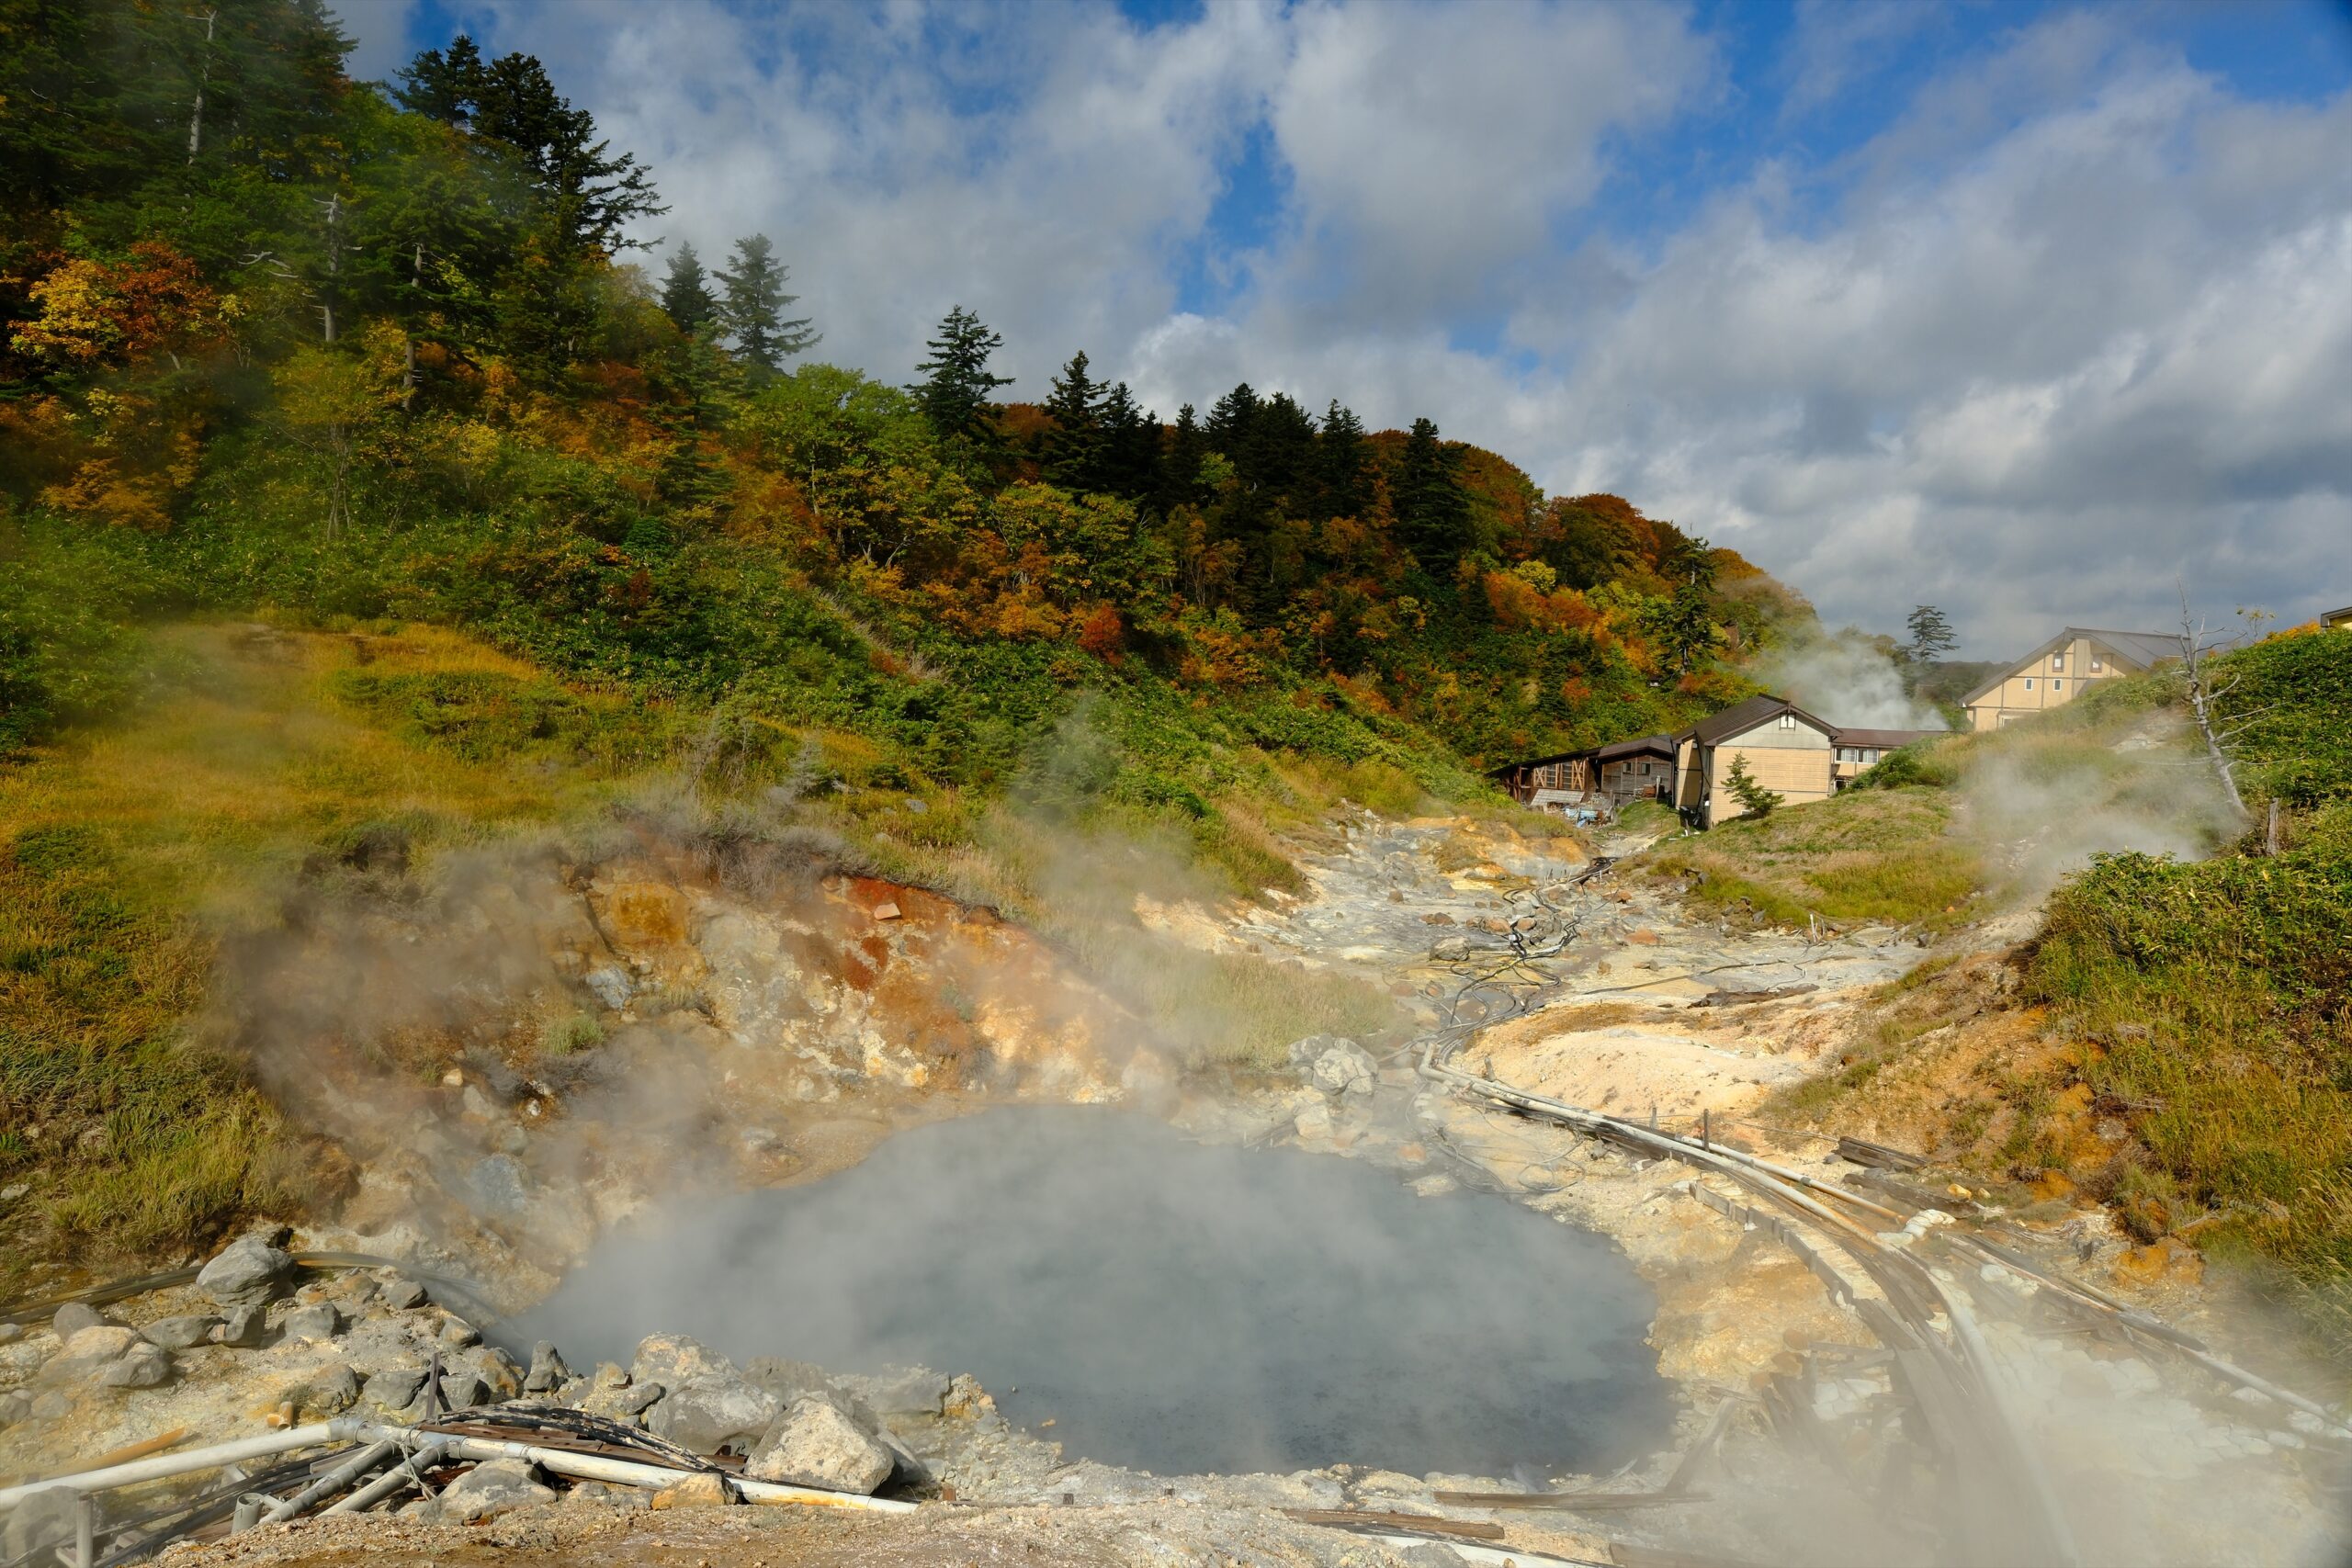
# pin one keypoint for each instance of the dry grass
(1873, 855)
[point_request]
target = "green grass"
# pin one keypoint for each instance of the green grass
(1863, 856)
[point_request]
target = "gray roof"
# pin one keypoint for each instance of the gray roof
(2142, 649)
(1747, 716)
(1647, 745)
(2336, 618)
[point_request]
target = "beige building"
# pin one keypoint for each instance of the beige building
(2063, 669)
(1787, 750)
(2338, 620)
(1858, 750)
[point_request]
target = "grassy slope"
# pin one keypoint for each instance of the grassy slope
(2178, 1042)
(1869, 856)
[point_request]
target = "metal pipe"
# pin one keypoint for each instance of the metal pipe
(332, 1482)
(85, 1531)
(629, 1472)
(342, 1430)
(409, 1472)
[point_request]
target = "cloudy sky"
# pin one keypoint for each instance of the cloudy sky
(2025, 310)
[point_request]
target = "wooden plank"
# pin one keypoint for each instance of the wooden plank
(1863, 1152)
(1567, 1502)
(1360, 1518)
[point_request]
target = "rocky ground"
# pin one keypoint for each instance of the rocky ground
(1792, 1444)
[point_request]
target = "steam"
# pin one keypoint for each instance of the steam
(1847, 679)
(1170, 1306)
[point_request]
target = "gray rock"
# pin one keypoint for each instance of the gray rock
(1301, 1052)
(146, 1366)
(459, 1333)
(15, 1406)
(45, 1519)
(321, 1321)
(788, 1380)
(54, 1405)
(1346, 1068)
(185, 1333)
(89, 1352)
(1449, 949)
(243, 1328)
(675, 1359)
(73, 1317)
(612, 987)
(402, 1295)
(713, 1412)
(499, 1185)
(461, 1391)
(394, 1388)
(818, 1442)
(548, 1371)
(247, 1273)
(911, 1391)
(492, 1488)
(331, 1392)
(498, 1372)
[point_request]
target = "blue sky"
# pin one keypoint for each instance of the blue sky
(2026, 309)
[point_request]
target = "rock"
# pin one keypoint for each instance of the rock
(1449, 949)
(967, 1399)
(548, 1371)
(312, 1322)
(86, 1355)
(673, 1358)
(15, 1406)
(247, 1273)
(498, 1185)
(73, 1317)
(45, 1519)
(394, 1388)
(787, 1380)
(498, 1372)
(712, 1413)
(696, 1492)
(913, 1391)
(146, 1366)
(184, 1333)
(51, 1407)
(461, 1334)
(401, 1294)
(1314, 1123)
(492, 1488)
(606, 1495)
(612, 987)
(2166, 1259)
(1346, 1068)
(461, 1391)
(243, 1328)
(329, 1392)
(818, 1442)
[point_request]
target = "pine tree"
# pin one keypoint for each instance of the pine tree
(1179, 472)
(1074, 446)
(1745, 788)
(753, 308)
(1432, 509)
(686, 292)
(1347, 487)
(1233, 419)
(1931, 636)
(443, 86)
(953, 394)
(1127, 462)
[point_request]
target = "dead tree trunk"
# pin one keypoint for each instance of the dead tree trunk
(2203, 699)
(203, 80)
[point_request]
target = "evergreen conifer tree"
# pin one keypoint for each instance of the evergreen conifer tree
(1128, 461)
(1179, 472)
(1931, 636)
(686, 292)
(1347, 489)
(1073, 447)
(953, 394)
(1432, 509)
(752, 307)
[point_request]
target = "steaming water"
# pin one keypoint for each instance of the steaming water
(1171, 1307)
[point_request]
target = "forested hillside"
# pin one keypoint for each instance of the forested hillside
(277, 344)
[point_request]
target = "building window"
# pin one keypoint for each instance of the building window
(2057, 662)
(2057, 683)
(2095, 665)
(2028, 683)
(1645, 770)
(1787, 721)
(1870, 759)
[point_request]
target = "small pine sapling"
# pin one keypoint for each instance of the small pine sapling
(1754, 798)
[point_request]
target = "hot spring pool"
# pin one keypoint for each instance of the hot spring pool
(1171, 1307)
